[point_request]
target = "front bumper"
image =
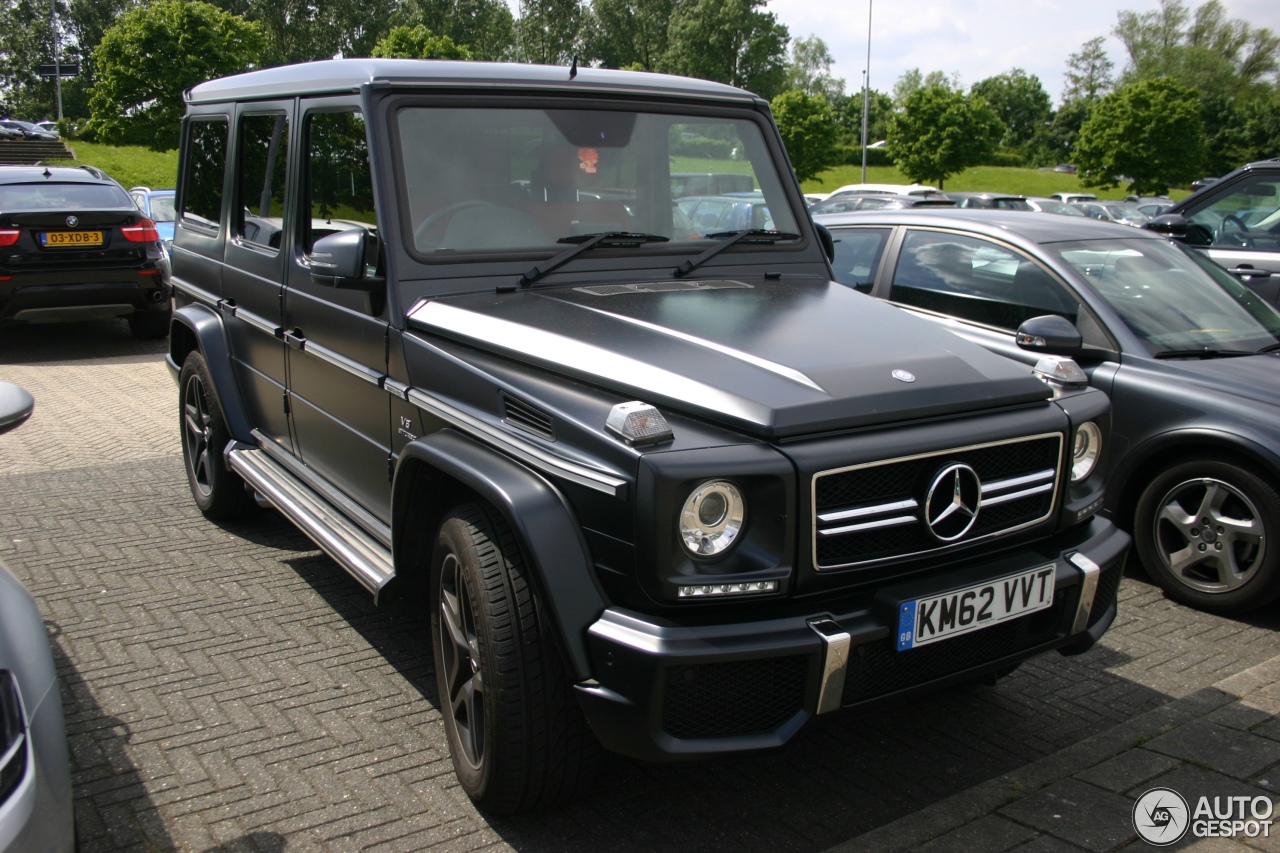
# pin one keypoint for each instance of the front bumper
(664, 691)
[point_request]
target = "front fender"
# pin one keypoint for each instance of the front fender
(206, 332)
(540, 517)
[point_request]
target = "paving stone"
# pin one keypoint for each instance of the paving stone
(1128, 769)
(1228, 750)
(1076, 812)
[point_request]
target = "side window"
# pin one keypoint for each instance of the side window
(1248, 216)
(858, 253)
(973, 279)
(206, 163)
(339, 180)
(264, 144)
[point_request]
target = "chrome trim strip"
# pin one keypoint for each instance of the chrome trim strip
(199, 293)
(256, 322)
(583, 358)
(1090, 572)
(771, 366)
(396, 389)
(1013, 496)
(341, 362)
(827, 517)
(523, 450)
(997, 485)
(835, 660)
(896, 521)
(813, 499)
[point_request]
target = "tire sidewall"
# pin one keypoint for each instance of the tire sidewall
(453, 538)
(226, 497)
(1260, 589)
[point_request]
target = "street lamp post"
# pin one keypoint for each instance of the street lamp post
(57, 57)
(866, 94)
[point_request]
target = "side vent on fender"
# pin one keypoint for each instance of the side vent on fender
(523, 416)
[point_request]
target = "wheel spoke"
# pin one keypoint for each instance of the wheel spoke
(1180, 562)
(1173, 513)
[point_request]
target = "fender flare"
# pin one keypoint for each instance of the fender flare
(1219, 438)
(541, 519)
(206, 326)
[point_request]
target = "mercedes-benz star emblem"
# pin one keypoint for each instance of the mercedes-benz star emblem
(951, 507)
(903, 376)
(73, 221)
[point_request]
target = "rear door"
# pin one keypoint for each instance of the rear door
(1239, 227)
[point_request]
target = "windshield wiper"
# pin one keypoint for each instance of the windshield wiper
(610, 239)
(727, 239)
(1270, 348)
(1206, 352)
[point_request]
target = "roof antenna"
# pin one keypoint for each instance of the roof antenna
(46, 173)
(573, 69)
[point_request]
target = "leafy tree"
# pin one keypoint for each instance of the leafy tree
(730, 41)
(808, 128)
(1089, 72)
(912, 81)
(151, 54)
(940, 131)
(627, 33)
(1020, 101)
(848, 112)
(485, 27)
(1056, 140)
(809, 70)
(1151, 132)
(418, 43)
(547, 31)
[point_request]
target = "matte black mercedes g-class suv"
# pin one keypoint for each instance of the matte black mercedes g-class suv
(668, 493)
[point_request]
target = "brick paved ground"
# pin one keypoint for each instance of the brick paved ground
(229, 689)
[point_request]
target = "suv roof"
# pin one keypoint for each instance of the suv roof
(66, 174)
(346, 75)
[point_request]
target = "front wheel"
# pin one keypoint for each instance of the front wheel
(218, 491)
(516, 734)
(1208, 531)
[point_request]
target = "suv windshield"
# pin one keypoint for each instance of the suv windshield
(1172, 298)
(486, 179)
(56, 196)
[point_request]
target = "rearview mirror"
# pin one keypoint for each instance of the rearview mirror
(828, 242)
(1050, 335)
(16, 406)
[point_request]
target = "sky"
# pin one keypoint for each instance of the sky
(976, 39)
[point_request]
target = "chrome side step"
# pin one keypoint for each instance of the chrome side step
(365, 558)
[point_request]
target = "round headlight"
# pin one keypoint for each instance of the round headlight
(1085, 452)
(711, 518)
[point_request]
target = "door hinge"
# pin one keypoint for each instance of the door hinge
(391, 469)
(285, 397)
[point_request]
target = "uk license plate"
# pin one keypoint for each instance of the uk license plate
(71, 238)
(940, 617)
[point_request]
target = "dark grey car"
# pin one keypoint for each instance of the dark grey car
(1186, 352)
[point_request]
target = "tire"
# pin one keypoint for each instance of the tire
(1229, 565)
(516, 734)
(149, 325)
(218, 491)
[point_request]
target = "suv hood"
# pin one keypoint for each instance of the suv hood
(778, 360)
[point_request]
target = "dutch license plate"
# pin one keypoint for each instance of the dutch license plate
(939, 617)
(71, 238)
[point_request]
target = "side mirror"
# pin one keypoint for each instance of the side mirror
(16, 406)
(1172, 225)
(828, 242)
(1050, 335)
(341, 260)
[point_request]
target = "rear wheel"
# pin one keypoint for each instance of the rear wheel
(218, 491)
(1208, 531)
(516, 733)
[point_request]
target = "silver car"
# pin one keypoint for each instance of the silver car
(35, 773)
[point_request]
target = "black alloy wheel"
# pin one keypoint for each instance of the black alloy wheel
(1208, 531)
(516, 734)
(217, 490)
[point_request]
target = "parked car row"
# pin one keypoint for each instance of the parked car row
(14, 129)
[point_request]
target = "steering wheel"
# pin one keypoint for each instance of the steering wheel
(424, 227)
(1238, 233)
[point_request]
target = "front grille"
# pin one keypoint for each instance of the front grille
(879, 669)
(872, 512)
(735, 698)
